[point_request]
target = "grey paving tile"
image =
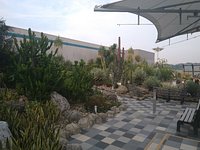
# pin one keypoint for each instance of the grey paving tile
(118, 143)
(114, 136)
(132, 145)
(112, 147)
(86, 146)
(92, 141)
(101, 145)
(111, 130)
(98, 137)
(95, 148)
(173, 144)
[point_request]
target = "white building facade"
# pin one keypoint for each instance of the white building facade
(75, 50)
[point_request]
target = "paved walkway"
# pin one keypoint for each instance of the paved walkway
(138, 128)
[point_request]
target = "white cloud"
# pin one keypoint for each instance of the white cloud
(76, 19)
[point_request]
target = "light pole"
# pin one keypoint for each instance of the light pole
(157, 49)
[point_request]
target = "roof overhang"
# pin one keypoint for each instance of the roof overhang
(171, 17)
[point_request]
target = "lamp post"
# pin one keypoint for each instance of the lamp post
(157, 49)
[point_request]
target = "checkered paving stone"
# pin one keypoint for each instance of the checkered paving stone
(135, 128)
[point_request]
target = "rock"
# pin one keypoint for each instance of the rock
(60, 101)
(113, 109)
(4, 133)
(111, 113)
(63, 141)
(74, 116)
(121, 90)
(122, 107)
(64, 134)
(103, 116)
(72, 129)
(92, 117)
(98, 120)
(117, 110)
(72, 147)
(85, 123)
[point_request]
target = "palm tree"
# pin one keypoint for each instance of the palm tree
(58, 43)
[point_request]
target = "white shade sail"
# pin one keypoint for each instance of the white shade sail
(171, 17)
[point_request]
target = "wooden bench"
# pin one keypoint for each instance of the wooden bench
(190, 116)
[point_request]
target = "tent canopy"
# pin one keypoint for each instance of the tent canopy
(171, 17)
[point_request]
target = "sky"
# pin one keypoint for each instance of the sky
(76, 19)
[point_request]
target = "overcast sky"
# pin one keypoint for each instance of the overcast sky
(76, 19)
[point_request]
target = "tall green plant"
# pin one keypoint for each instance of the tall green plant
(37, 72)
(6, 53)
(78, 82)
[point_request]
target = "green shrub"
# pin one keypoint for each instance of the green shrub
(192, 88)
(151, 82)
(102, 103)
(148, 69)
(100, 76)
(35, 128)
(78, 83)
(164, 73)
(36, 70)
(139, 76)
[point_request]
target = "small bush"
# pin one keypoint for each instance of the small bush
(139, 76)
(151, 82)
(99, 76)
(192, 88)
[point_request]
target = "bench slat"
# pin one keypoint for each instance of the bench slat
(191, 116)
(184, 114)
(198, 105)
(188, 115)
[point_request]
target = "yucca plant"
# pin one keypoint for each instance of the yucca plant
(35, 129)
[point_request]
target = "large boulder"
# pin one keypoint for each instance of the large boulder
(101, 118)
(92, 118)
(74, 116)
(72, 129)
(111, 114)
(60, 101)
(4, 133)
(122, 90)
(85, 122)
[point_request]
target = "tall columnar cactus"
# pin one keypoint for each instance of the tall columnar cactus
(37, 73)
(118, 64)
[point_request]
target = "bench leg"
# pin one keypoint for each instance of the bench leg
(182, 101)
(178, 126)
(195, 131)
